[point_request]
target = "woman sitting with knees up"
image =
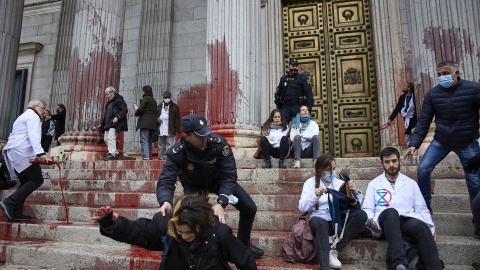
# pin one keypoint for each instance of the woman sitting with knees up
(315, 201)
(274, 140)
(304, 136)
(193, 238)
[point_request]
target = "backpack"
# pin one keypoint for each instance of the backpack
(299, 246)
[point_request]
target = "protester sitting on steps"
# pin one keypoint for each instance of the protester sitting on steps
(396, 208)
(314, 200)
(304, 136)
(274, 139)
(193, 238)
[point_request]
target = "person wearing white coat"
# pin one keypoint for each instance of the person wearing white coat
(304, 136)
(314, 200)
(24, 144)
(274, 142)
(395, 207)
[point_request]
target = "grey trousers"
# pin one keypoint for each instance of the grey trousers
(146, 142)
(312, 151)
(164, 143)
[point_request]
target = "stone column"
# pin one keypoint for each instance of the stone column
(233, 70)
(390, 66)
(11, 16)
(95, 64)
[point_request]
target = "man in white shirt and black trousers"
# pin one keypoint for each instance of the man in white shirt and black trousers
(395, 206)
(22, 146)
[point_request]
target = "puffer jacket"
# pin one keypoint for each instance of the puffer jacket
(456, 115)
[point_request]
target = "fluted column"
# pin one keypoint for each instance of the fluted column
(94, 65)
(11, 16)
(233, 70)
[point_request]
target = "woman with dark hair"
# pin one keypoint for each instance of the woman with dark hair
(314, 200)
(192, 239)
(147, 121)
(59, 121)
(48, 131)
(304, 136)
(274, 139)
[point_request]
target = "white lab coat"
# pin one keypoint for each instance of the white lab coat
(24, 142)
(306, 135)
(308, 200)
(406, 199)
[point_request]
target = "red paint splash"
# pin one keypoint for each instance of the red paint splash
(448, 44)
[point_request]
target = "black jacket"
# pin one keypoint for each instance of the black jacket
(148, 233)
(296, 86)
(398, 109)
(456, 115)
(214, 170)
(119, 110)
(59, 123)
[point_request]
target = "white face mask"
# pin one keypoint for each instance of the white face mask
(167, 100)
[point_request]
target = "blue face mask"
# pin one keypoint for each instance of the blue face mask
(445, 81)
(329, 176)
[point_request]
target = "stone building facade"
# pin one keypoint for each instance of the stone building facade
(223, 59)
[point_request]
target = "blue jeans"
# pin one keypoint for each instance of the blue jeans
(435, 153)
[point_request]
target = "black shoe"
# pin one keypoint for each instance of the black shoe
(281, 165)
(22, 217)
(110, 157)
(476, 235)
(476, 265)
(430, 209)
(268, 164)
(117, 156)
(8, 211)
(256, 252)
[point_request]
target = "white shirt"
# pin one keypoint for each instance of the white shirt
(406, 198)
(306, 135)
(24, 142)
(163, 127)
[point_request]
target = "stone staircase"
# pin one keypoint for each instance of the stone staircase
(48, 242)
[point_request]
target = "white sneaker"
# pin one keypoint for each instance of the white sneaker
(334, 262)
(296, 164)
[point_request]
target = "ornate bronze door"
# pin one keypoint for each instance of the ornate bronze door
(332, 41)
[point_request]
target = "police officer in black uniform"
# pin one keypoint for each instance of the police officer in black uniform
(204, 163)
(293, 91)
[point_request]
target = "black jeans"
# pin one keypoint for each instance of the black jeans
(476, 213)
(268, 150)
(30, 179)
(245, 204)
(321, 230)
(395, 227)
(46, 141)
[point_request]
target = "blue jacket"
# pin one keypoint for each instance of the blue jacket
(213, 170)
(456, 115)
(297, 86)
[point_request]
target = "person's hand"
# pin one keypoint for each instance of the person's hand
(270, 139)
(115, 120)
(42, 159)
(374, 226)
(435, 236)
(409, 154)
(320, 191)
(165, 208)
(352, 186)
(219, 212)
(472, 164)
(48, 134)
(102, 212)
(159, 121)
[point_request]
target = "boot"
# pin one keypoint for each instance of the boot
(268, 164)
(281, 165)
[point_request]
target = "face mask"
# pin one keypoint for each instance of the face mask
(445, 81)
(167, 100)
(293, 71)
(329, 176)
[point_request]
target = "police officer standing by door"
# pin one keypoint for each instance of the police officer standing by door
(205, 164)
(293, 91)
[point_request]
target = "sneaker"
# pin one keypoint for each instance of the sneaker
(401, 267)
(268, 164)
(22, 217)
(296, 164)
(334, 262)
(281, 165)
(256, 252)
(8, 211)
(109, 157)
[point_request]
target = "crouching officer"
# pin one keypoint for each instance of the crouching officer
(204, 163)
(292, 92)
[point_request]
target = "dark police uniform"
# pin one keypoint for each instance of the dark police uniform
(297, 91)
(211, 170)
